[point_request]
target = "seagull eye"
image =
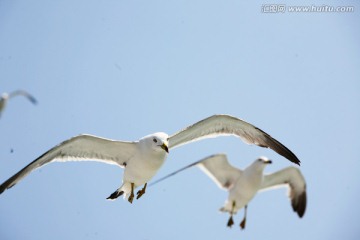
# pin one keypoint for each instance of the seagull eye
(155, 141)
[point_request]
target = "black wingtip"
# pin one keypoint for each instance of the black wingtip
(296, 161)
(292, 157)
(3, 187)
(285, 152)
(9, 183)
(299, 204)
(33, 100)
(280, 148)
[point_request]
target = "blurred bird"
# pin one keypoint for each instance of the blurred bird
(6, 96)
(243, 185)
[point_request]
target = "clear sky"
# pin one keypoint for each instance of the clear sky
(125, 69)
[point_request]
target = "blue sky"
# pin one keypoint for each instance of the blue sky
(122, 70)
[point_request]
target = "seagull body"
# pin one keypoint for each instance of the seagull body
(142, 159)
(155, 158)
(243, 185)
(6, 96)
(143, 165)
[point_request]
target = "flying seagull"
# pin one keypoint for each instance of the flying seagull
(142, 159)
(6, 96)
(243, 185)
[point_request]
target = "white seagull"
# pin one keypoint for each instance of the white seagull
(243, 185)
(6, 96)
(142, 159)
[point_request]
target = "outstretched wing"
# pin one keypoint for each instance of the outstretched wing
(216, 167)
(79, 148)
(23, 93)
(218, 125)
(220, 171)
(292, 178)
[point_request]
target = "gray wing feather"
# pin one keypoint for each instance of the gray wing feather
(220, 171)
(79, 148)
(223, 125)
(216, 167)
(293, 178)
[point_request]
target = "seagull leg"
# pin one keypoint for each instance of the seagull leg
(243, 222)
(231, 220)
(131, 197)
(141, 192)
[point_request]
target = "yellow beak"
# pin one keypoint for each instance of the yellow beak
(165, 147)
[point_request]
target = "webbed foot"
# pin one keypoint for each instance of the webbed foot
(141, 192)
(230, 222)
(242, 224)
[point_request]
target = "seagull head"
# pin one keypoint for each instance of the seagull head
(158, 141)
(4, 96)
(264, 160)
(261, 163)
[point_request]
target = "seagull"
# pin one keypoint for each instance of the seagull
(142, 159)
(243, 185)
(6, 96)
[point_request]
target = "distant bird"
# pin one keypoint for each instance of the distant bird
(6, 96)
(243, 185)
(143, 158)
